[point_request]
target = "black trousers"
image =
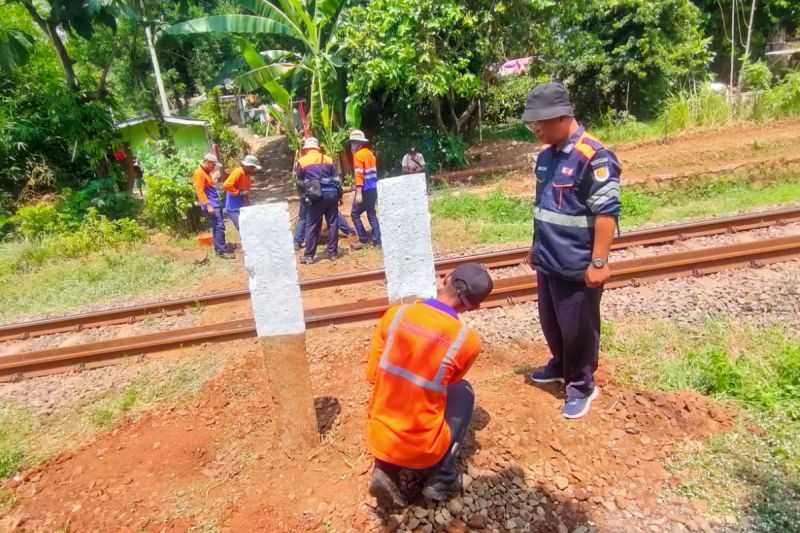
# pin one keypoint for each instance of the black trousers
(569, 313)
(327, 206)
(457, 414)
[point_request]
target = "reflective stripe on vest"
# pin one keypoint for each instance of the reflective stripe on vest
(436, 385)
(574, 221)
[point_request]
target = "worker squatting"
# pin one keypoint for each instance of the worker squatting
(420, 353)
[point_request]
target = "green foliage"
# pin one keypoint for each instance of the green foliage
(15, 425)
(782, 100)
(702, 107)
(232, 146)
(753, 473)
(169, 195)
(15, 48)
(756, 76)
(505, 101)
(623, 54)
(168, 202)
(452, 150)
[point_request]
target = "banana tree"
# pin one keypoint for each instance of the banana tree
(311, 58)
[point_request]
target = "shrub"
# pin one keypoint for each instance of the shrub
(167, 202)
(782, 100)
(505, 101)
(756, 76)
(701, 107)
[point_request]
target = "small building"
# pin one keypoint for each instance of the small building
(190, 134)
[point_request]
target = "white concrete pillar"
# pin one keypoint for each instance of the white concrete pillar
(278, 311)
(406, 238)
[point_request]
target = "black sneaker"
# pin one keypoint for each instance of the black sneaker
(306, 260)
(359, 245)
(298, 247)
(225, 255)
(385, 490)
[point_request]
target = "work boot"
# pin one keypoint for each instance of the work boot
(385, 490)
(439, 491)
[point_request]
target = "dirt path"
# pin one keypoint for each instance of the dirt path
(212, 464)
(693, 153)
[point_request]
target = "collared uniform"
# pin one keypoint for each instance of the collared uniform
(420, 404)
(316, 169)
(236, 185)
(574, 185)
(207, 195)
(365, 170)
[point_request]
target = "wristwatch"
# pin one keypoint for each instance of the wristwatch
(599, 262)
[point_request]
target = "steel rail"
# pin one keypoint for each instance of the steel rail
(647, 237)
(506, 291)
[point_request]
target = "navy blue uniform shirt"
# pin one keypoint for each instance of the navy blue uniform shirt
(574, 184)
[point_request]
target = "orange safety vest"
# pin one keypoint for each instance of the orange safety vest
(416, 351)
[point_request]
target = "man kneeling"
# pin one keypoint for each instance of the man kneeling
(421, 405)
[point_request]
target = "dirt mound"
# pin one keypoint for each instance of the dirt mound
(693, 153)
(213, 461)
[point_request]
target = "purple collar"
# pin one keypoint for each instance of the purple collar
(443, 307)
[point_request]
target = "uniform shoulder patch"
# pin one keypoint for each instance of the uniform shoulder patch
(601, 173)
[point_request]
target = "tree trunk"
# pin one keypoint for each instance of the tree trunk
(437, 111)
(465, 117)
(50, 29)
(747, 45)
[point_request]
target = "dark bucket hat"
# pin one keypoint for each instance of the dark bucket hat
(546, 101)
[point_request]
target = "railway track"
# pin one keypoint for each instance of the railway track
(649, 237)
(507, 291)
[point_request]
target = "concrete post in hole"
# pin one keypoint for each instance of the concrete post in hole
(406, 238)
(278, 310)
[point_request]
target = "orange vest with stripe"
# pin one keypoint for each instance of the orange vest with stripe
(416, 351)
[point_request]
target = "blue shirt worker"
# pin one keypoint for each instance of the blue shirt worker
(209, 200)
(237, 188)
(322, 190)
(575, 215)
(365, 171)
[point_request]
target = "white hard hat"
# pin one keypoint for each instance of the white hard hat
(358, 135)
(211, 158)
(251, 161)
(310, 142)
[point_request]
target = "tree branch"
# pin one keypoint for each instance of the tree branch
(50, 29)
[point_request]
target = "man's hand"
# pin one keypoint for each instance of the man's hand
(210, 209)
(359, 196)
(597, 277)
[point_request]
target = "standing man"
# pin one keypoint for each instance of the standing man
(322, 191)
(413, 162)
(237, 188)
(208, 198)
(365, 169)
(421, 405)
(576, 210)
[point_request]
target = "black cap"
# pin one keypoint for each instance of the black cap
(473, 284)
(546, 101)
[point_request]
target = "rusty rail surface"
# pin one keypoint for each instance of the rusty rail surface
(648, 237)
(506, 291)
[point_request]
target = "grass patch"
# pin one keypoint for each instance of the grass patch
(754, 470)
(146, 391)
(16, 426)
(501, 218)
(98, 279)
(27, 439)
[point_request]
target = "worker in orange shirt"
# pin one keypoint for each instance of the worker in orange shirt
(208, 198)
(421, 405)
(237, 188)
(365, 170)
